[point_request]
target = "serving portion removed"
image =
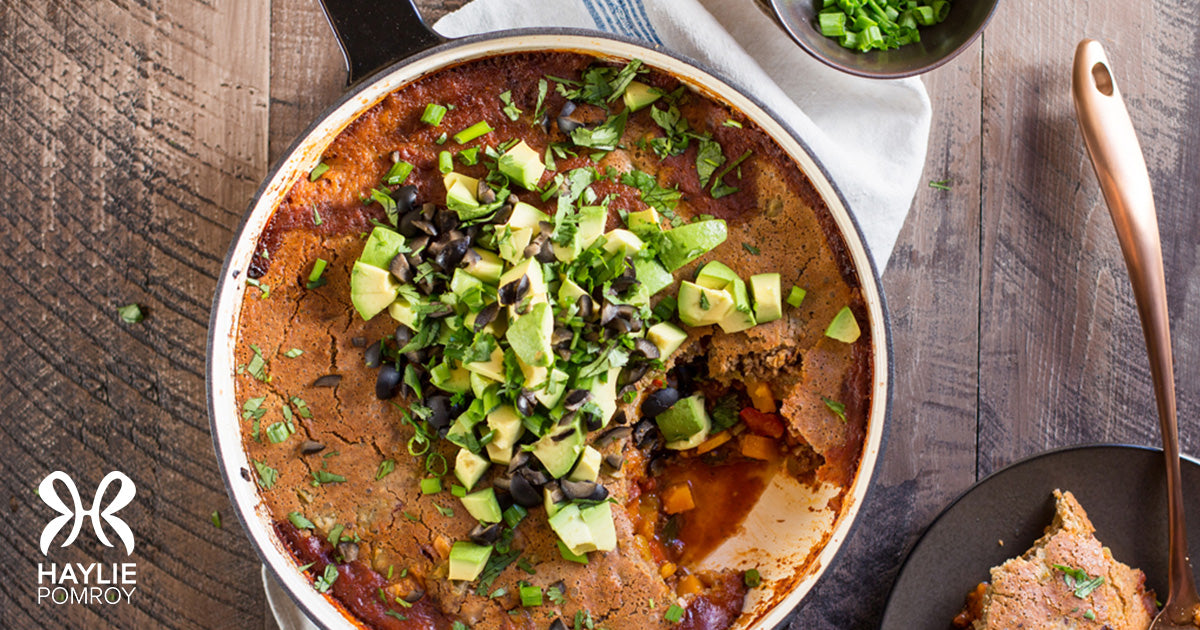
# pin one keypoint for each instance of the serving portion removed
(552, 340)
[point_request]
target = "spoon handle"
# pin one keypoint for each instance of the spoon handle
(1121, 169)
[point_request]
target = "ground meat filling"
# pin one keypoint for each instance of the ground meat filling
(339, 469)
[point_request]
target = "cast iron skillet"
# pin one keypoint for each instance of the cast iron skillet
(388, 46)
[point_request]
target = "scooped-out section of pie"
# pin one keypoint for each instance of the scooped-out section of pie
(548, 340)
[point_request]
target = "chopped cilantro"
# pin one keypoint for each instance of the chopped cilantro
(266, 475)
(385, 468)
(940, 185)
(293, 353)
(510, 108)
(317, 171)
(751, 249)
(300, 521)
(324, 476)
(264, 289)
(708, 159)
(215, 517)
(836, 407)
(327, 579)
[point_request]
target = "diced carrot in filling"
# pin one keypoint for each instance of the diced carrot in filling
(758, 447)
(761, 397)
(713, 442)
(678, 498)
(689, 585)
(768, 424)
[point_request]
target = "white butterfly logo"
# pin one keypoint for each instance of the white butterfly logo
(49, 494)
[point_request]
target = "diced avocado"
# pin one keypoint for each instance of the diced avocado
(530, 336)
(592, 220)
(667, 337)
(493, 368)
(844, 326)
(462, 200)
(646, 224)
(496, 328)
(506, 422)
(533, 269)
(680, 246)
(685, 424)
(796, 296)
(639, 95)
(450, 377)
(716, 275)
(768, 297)
(499, 454)
(469, 468)
(526, 216)
(588, 467)
(512, 242)
(381, 247)
(535, 375)
(559, 448)
(470, 183)
(523, 165)
(552, 508)
(371, 289)
(482, 504)
(700, 306)
(741, 316)
(487, 267)
(467, 560)
(569, 293)
(479, 383)
(556, 386)
(462, 283)
(599, 521)
(652, 275)
(622, 243)
(605, 395)
(402, 311)
(568, 523)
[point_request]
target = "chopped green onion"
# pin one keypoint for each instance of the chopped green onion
(317, 171)
(832, 24)
(316, 216)
(796, 296)
(433, 114)
(751, 578)
(215, 517)
(674, 614)
(385, 468)
(474, 131)
(131, 313)
(531, 596)
(398, 173)
(940, 185)
(514, 514)
(441, 139)
(470, 156)
(431, 485)
(732, 123)
(445, 162)
(314, 277)
(458, 490)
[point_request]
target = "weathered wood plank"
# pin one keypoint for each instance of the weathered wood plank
(932, 286)
(135, 135)
(1063, 360)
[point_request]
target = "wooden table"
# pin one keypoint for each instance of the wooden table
(133, 134)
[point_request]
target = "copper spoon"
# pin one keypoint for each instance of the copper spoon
(1121, 169)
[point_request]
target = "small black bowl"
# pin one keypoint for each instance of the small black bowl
(939, 43)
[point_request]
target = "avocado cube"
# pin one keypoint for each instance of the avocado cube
(493, 368)
(844, 327)
(741, 316)
(639, 95)
(512, 242)
(371, 289)
(381, 247)
(684, 421)
(499, 454)
(646, 223)
(461, 199)
(535, 375)
(652, 275)
(403, 311)
(487, 266)
(558, 449)
(527, 216)
(568, 523)
(533, 269)
(599, 521)
(467, 560)
(680, 246)
(530, 336)
(552, 508)
(449, 376)
(605, 396)
(482, 504)
(556, 386)
(588, 467)
(667, 337)
(522, 165)
(716, 275)
(701, 306)
(463, 282)
(569, 293)
(469, 183)
(506, 422)
(469, 468)
(768, 297)
(592, 220)
(622, 243)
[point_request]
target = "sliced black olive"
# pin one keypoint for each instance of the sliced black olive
(526, 403)
(418, 245)
(486, 315)
(428, 211)
(519, 460)
(645, 433)
(558, 437)
(565, 421)
(611, 435)
(523, 492)
(446, 220)
(427, 285)
(563, 353)
(358, 342)
(417, 356)
(545, 252)
(426, 226)
(437, 310)
(558, 624)
(561, 336)
(554, 491)
(406, 198)
(329, 380)
(452, 254)
(645, 347)
(485, 534)
(400, 268)
(592, 422)
(535, 246)
(659, 401)
(619, 326)
(614, 461)
(486, 194)
(439, 411)
(583, 490)
(587, 307)
(619, 417)
(503, 214)
(348, 551)
(608, 312)
(470, 256)
(415, 595)
(565, 123)
(633, 373)
(403, 335)
(535, 478)
(575, 399)
(514, 291)
(406, 226)
(435, 248)
(502, 482)
(308, 447)
(373, 355)
(388, 381)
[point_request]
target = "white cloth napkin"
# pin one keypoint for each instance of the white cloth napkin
(871, 135)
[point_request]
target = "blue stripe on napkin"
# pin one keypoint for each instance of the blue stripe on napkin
(624, 17)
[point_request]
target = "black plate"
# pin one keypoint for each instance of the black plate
(1122, 488)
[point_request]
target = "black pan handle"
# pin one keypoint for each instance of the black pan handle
(375, 33)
